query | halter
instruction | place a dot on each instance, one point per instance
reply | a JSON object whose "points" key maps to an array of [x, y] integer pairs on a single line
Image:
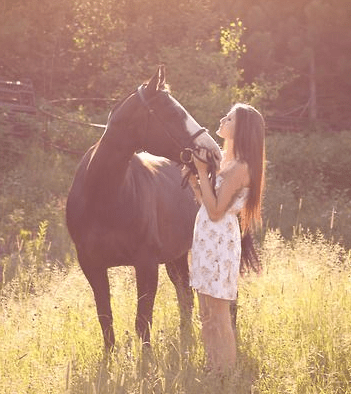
{"points": [[186, 153]]}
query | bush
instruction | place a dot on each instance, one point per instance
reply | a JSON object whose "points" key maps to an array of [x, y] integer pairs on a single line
{"points": [[16, 138], [309, 183], [36, 174]]}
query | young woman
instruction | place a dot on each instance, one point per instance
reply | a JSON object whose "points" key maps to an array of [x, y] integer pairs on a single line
{"points": [[216, 246]]}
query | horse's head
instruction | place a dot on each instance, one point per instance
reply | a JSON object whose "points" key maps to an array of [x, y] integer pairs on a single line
{"points": [[167, 128]]}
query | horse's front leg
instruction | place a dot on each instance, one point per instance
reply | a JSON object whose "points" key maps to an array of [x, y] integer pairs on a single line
{"points": [[99, 282], [147, 280]]}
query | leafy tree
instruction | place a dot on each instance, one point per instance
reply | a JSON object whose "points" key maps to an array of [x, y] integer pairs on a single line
{"points": [[296, 51], [311, 36], [34, 43]]}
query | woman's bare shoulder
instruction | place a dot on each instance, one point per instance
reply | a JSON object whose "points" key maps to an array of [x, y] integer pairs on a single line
{"points": [[237, 169]]}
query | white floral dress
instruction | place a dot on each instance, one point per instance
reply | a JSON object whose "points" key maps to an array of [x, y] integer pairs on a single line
{"points": [[216, 250]]}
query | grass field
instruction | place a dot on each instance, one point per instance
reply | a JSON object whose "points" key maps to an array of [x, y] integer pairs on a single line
{"points": [[294, 329]]}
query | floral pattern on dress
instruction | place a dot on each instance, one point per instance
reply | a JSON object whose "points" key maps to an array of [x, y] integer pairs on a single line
{"points": [[216, 251]]}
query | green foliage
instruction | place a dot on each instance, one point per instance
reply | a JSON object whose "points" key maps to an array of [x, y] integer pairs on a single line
{"points": [[200, 83], [36, 31], [35, 190], [100, 48], [203, 77], [230, 39], [28, 264], [285, 34], [308, 183], [305, 158], [70, 129], [266, 90], [16, 139]]}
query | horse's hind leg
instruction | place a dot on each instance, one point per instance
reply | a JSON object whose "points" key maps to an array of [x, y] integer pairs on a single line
{"points": [[147, 279], [99, 282], [178, 272]]}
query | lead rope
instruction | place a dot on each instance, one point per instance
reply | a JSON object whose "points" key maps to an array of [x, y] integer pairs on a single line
{"points": [[211, 165]]}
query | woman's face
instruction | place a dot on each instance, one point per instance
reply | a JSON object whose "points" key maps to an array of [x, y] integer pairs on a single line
{"points": [[227, 126]]}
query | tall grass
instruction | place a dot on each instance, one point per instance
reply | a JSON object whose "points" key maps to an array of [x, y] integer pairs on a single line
{"points": [[294, 333], [294, 329], [295, 319]]}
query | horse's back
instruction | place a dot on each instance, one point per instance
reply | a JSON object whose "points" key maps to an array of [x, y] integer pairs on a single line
{"points": [[151, 216]]}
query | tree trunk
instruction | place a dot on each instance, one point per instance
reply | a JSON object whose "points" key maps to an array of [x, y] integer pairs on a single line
{"points": [[312, 108]]}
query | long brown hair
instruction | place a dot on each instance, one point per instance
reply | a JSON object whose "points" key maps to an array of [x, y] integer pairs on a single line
{"points": [[249, 146]]}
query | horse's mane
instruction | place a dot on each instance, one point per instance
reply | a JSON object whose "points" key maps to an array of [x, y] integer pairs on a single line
{"points": [[152, 163], [143, 177]]}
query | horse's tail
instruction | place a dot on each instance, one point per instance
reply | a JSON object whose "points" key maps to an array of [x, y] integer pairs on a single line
{"points": [[249, 257]]}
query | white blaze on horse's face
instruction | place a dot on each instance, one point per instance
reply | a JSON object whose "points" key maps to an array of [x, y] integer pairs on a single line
{"points": [[204, 140]]}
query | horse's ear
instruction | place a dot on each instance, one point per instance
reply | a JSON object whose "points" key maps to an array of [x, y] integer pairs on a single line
{"points": [[157, 81], [162, 79]]}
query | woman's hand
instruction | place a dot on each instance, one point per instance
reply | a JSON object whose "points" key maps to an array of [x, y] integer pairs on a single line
{"points": [[193, 182], [192, 179], [200, 161]]}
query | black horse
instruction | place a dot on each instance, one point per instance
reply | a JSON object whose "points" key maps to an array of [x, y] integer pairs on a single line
{"points": [[128, 208]]}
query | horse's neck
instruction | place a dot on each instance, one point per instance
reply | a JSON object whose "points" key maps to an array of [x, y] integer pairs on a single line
{"points": [[107, 169]]}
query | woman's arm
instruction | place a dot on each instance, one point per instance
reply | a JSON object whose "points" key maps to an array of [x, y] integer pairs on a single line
{"points": [[233, 180]]}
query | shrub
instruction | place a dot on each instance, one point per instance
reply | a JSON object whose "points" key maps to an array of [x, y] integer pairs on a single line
{"points": [[309, 183]]}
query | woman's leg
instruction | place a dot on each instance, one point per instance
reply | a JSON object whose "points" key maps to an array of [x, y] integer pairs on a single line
{"points": [[217, 332]]}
